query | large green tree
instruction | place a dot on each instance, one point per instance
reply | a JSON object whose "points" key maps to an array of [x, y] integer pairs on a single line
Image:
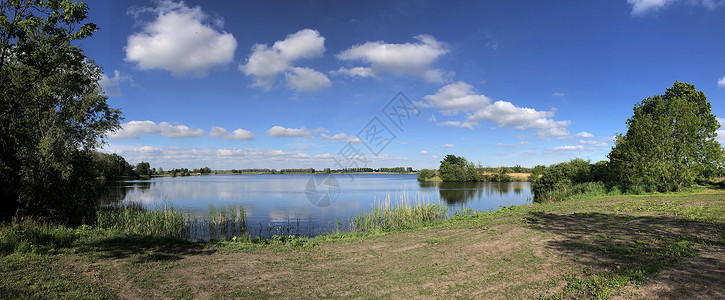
{"points": [[670, 140], [52, 111]]}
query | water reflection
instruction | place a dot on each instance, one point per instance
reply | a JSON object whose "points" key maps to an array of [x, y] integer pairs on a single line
{"points": [[454, 193], [274, 201]]}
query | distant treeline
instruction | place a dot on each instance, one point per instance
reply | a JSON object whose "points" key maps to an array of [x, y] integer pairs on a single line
{"points": [[459, 169]]}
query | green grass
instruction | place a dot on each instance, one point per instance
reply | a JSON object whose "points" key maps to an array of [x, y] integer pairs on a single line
{"points": [[604, 243]]}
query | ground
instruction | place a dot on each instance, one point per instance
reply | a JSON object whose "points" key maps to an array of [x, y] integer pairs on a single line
{"points": [[621, 247]]}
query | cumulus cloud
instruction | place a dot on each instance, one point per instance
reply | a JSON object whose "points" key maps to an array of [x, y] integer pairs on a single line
{"points": [[454, 98], [570, 148], [306, 80], [279, 131], [180, 39], [507, 115], [594, 143], [410, 58], [460, 97], [341, 137], [584, 134], [721, 81], [642, 7], [423, 152], [447, 146], [265, 63], [466, 124], [237, 134], [111, 85], [228, 158], [506, 145], [354, 72], [132, 130]]}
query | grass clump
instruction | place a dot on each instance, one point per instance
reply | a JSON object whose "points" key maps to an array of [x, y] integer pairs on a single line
{"points": [[165, 220], [386, 217]]}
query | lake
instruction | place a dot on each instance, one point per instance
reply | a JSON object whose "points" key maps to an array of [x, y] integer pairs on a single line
{"points": [[309, 204]]}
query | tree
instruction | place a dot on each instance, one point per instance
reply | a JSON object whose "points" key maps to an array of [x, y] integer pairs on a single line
{"points": [[670, 140], [143, 169], [455, 160], [53, 112]]}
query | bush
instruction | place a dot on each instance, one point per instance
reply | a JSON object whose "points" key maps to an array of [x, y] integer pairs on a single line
{"points": [[426, 174]]}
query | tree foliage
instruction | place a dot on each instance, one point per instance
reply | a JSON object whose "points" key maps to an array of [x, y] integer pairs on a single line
{"points": [[670, 140], [52, 111]]}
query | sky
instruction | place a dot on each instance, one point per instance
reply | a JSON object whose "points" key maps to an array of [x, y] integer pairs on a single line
{"points": [[334, 84]]}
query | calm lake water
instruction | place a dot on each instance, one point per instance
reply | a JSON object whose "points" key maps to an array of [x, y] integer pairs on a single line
{"points": [[311, 203]]}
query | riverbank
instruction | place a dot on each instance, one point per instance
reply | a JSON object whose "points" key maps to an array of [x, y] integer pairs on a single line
{"points": [[662, 245]]}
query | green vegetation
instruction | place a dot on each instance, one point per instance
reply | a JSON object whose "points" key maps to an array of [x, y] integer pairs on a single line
{"points": [[54, 112], [670, 140], [584, 247], [133, 217], [426, 174], [386, 218], [458, 169], [669, 145]]}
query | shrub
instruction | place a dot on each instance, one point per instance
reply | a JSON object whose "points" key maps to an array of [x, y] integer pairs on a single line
{"points": [[426, 174]]}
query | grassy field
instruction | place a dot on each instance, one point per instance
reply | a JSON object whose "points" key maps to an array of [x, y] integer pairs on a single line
{"points": [[652, 246]]}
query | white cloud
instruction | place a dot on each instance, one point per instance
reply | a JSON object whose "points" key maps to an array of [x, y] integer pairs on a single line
{"points": [[641, 7], [468, 125], [265, 63], [181, 40], [594, 143], [507, 115], [341, 137], [237, 134], [721, 81], [584, 134], [454, 98], [279, 131], [321, 129], [721, 132], [569, 148], [505, 145], [169, 157], [461, 97], [132, 130], [711, 4], [423, 152], [111, 85], [432, 118], [306, 80], [410, 58], [447, 146], [355, 72], [557, 94]]}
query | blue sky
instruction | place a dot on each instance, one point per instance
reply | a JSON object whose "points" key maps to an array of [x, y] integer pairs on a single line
{"points": [[298, 84]]}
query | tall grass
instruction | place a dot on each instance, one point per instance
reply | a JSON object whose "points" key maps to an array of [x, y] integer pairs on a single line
{"points": [[165, 220], [404, 214]]}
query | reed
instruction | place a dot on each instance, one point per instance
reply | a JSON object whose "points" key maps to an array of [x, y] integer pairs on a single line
{"points": [[405, 214], [134, 217]]}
